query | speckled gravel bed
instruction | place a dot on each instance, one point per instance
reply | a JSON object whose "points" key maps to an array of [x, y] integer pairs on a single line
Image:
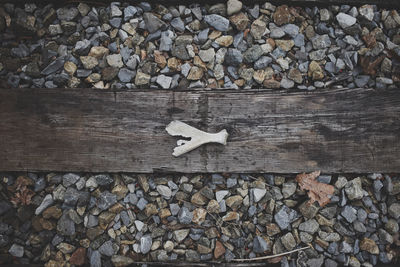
{"points": [[116, 219], [226, 45]]}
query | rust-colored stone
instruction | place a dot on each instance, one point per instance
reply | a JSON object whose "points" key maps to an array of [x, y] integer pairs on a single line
{"points": [[219, 249], [78, 257], [282, 15]]}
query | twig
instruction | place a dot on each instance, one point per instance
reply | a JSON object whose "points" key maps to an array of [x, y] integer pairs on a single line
{"points": [[271, 256]]}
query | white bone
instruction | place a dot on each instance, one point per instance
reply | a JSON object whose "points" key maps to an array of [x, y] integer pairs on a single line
{"points": [[197, 137]]}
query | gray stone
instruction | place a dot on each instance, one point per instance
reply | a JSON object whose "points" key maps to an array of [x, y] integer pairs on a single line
{"points": [[115, 22], [164, 191], [95, 259], [345, 247], [288, 241], [185, 216], [291, 29], [65, 225], [16, 250], [180, 235], [262, 63], [286, 83], [166, 41], [145, 244], [207, 55], [164, 81], [218, 22], [82, 47], [277, 33], [284, 217], [107, 249], [233, 57], [394, 210], [180, 52], [345, 20], [349, 213], [321, 41], [106, 200], [153, 23], [252, 54], [362, 80], [260, 245], [129, 12], [125, 75], [115, 11], [233, 6], [299, 40], [310, 226], [367, 12], [178, 24], [47, 202], [103, 179], [54, 66], [67, 14], [70, 179]]}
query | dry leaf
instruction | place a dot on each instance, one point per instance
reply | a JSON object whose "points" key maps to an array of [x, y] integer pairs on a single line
{"points": [[22, 194], [316, 191]]}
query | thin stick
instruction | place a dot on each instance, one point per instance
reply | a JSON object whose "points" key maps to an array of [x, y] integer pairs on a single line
{"points": [[271, 256]]}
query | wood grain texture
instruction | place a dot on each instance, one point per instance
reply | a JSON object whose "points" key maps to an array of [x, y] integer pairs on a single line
{"points": [[343, 130]]}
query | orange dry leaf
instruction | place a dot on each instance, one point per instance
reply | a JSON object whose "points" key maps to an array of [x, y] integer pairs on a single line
{"points": [[23, 195], [316, 191]]}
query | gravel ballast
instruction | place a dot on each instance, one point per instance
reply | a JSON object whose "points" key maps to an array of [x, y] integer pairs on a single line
{"points": [[225, 45], [116, 219]]}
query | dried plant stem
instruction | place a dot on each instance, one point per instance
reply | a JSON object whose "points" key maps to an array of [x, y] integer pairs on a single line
{"points": [[271, 256]]}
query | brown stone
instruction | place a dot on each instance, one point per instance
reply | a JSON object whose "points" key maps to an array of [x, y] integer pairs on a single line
{"points": [[198, 199], [282, 15], [151, 209], [120, 191], [231, 216], [47, 224], [234, 202], [369, 245], [160, 59], [213, 206], [370, 65], [109, 73], [272, 229], [195, 73], [240, 21], [285, 45], [98, 51], [271, 83], [105, 218], [52, 212], [78, 257], [369, 40], [295, 75], [219, 249], [203, 249], [199, 215], [164, 213], [92, 233], [225, 40], [116, 208], [315, 71]]}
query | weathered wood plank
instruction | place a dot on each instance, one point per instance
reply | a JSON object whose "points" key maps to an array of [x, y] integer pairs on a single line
{"points": [[343, 130]]}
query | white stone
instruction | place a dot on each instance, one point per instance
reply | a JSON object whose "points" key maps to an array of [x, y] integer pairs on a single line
{"points": [[258, 194], [197, 137], [219, 195], [47, 201], [345, 20], [164, 81], [165, 191]]}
